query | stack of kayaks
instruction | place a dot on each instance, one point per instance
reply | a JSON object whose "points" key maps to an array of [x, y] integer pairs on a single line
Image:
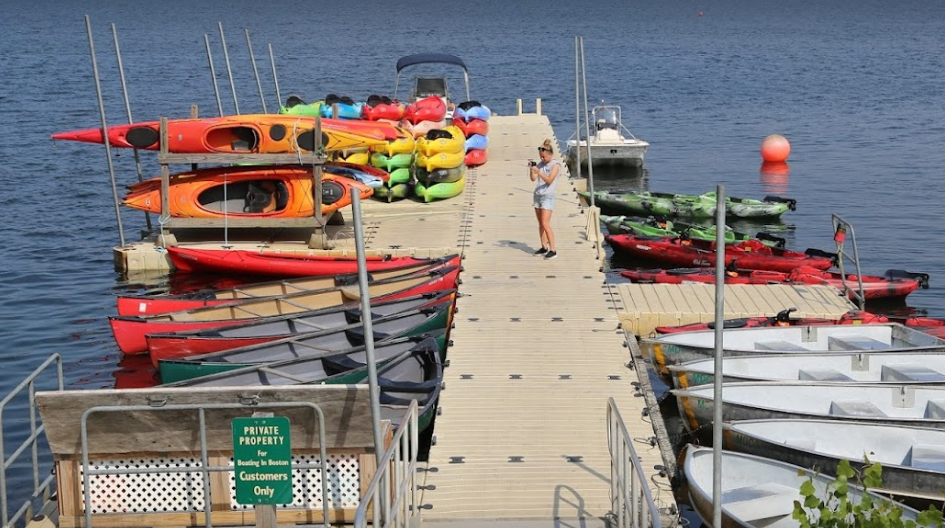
{"points": [[425, 115], [441, 170], [471, 117], [651, 226], [396, 157], [645, 203]]}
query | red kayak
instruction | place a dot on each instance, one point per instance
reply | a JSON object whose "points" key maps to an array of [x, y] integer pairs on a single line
{"points": [[929, 325], [894, 284], [750, 254], [476, 126], [430, 108], [476, 157], [130, 332], [243, 262], [255, 133], [141, 305]]}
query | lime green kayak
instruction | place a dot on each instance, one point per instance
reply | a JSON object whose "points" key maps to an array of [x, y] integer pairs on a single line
{"points": [[440, 191], [645, 203], [389, 163], [303, 109], [398, 176], [665, 228], [397, 191]]}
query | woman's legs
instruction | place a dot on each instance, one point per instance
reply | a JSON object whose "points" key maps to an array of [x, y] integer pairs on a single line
{"points": [[541, 230], [544, 228]]}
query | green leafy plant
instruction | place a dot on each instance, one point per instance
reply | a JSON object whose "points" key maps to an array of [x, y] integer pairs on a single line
{"points": [[837, 510]]}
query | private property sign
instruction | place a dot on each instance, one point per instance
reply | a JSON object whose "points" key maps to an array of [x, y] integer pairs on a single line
{"points": [[262, 459]]}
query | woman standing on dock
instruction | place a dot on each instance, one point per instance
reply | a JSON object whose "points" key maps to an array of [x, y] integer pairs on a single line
{"points": [[546, 173]]}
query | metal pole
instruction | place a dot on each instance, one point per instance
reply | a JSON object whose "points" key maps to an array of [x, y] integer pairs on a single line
{"points": [[252, 57], [577, 109], [717, 393], [587, 127], [229, 71], [213, 74], [275, 78], [108, 150], [124, 91]]}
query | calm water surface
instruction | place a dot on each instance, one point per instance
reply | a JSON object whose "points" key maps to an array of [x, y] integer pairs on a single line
{"points": [[856, 86]]}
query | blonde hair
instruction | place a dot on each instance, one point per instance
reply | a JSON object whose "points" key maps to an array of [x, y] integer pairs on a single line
{"points": [[548, 145]]}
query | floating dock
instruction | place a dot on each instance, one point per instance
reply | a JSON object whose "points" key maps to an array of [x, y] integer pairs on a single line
{"points": [[540, 346]]}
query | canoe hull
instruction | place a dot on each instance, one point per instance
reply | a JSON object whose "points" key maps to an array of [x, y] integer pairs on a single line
{"points": [[242, 262]]}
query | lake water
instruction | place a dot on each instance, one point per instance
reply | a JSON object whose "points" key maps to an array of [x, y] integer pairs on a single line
{"points": [[856, 86]]}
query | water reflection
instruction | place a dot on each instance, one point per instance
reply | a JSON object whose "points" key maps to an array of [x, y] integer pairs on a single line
{"points": [[774, 177], [619, 178]]}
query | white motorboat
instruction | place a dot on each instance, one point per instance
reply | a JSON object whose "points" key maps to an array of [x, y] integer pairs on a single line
{"points": [[612, 143]]}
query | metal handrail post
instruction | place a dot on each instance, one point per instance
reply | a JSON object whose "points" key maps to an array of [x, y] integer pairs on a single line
{"points": [[717, 385], [587, 128], [840, 239], [229, 71], [252, 58], [213, 74], [108, 150], [275, 78], [577, 110], [124, 91], [631, 499]]}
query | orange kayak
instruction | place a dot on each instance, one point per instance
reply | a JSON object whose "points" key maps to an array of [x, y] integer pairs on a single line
{"points": [[274, 191], [247, 134]]}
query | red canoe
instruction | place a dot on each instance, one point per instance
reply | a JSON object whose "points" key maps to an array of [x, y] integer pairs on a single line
{"points": [[929, 325], [130, 332], [254, 133], [751, 254], [142, 305], [282, 264], [894, 284]]}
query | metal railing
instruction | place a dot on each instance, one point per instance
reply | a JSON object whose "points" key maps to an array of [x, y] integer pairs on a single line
{"points": [[396, 478], [205, 468], [631, 502], [842, 229], [42, 490]]}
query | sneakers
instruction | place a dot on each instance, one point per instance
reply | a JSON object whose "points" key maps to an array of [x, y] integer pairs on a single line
{"points": [[550, 255], [542, 251]]}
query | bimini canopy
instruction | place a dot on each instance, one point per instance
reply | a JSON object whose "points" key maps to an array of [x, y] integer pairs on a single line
{"points": [[426, 58]]}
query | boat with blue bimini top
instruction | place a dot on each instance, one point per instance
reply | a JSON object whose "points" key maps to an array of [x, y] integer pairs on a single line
{"points": [[612, 143]]}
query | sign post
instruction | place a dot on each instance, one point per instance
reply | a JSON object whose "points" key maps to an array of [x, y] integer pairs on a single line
{"points": [[262, 460]]}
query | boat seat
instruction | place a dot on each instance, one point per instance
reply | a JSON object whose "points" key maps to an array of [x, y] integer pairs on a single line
{"points": [[761, 501], [854, 342], [822, 374], [927, 456], [935, 410], [906, 372], [855, 408], [775, 345]]}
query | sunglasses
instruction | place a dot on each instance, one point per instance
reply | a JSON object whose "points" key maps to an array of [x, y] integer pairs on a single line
{"points": [[543, 149]]}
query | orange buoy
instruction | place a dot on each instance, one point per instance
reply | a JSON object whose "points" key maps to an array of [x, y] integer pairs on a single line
{"points": [[775, 148]]}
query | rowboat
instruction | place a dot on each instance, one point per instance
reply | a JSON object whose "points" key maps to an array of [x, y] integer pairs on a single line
{"points": [[273, 191], [333, 330], [843, 367], [913, 458], [651, 226], [130, 332], [142, 305], [751, 254], [891, 404], [673, 349], [242, 262], [440, 191], [413, 375], [892, 285], [646, 203], [250, 133], [295, 351], [759, 492]]}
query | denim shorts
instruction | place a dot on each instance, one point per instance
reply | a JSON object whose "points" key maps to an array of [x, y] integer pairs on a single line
{"points": [[544, 202]]}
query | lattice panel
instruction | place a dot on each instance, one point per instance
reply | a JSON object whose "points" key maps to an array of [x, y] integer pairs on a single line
{"points": [[153, 492], [344, 486]]}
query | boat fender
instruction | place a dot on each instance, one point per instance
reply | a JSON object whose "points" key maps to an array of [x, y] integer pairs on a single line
{"points": [[791, 202]]}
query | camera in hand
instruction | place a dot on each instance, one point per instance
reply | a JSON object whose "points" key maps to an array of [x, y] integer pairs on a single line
{"points": [[532, 163]]}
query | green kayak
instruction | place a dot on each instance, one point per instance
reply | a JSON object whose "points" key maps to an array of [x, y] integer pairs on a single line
{"points": [[440, 191], [397, 191], [647, 203], [297, 107], [390, 163], [638, 226]]}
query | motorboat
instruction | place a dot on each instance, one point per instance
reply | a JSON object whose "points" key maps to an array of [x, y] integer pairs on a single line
{"points": [[431, 85], [612, 143]]}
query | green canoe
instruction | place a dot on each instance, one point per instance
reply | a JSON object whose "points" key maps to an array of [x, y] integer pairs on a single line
{"points": [[440, 191], [634, 225], [645, 203]]}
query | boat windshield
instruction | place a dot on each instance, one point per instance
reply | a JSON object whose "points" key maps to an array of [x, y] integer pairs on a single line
{"points": [[607, 117]]}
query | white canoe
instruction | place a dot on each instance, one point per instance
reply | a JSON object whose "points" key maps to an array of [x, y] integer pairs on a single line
{"points": [[673, 349], [756, 491], [913, 458], [850, 367]]}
